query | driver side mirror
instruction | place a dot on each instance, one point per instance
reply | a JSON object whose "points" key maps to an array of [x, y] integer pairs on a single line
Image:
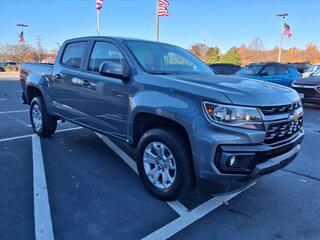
{"points": [[264, 74], [115, 70]]}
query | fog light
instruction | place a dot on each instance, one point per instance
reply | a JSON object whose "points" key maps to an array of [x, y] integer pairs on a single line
{"points": [[232, 161]]}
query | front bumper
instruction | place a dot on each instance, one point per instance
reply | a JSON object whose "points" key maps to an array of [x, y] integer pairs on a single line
{"points": [[263, 159], [310, 94]]}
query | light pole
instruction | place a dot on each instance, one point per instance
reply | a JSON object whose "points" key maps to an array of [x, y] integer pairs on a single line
{"points": [[22, 26], [283, 16]]}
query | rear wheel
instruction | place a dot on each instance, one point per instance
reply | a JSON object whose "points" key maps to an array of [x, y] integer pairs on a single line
{"points": [[164, 163], [43, 124]]}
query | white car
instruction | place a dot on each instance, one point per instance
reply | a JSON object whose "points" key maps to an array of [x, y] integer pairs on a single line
{"points": [[314, 68]]}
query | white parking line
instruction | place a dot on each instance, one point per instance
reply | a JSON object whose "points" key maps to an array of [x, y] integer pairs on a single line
{"points": [[178, 207], [185, 220], [15, 138], [30, 135], [17, 111], [175, 205], [42, 214], [125, 157], [186, 217]]}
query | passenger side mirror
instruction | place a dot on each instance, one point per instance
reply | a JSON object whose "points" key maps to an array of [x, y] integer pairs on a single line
{"points": [[114, 69]]}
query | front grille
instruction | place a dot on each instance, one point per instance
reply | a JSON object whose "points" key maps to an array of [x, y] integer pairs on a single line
{"points": [[280, 109], [277, 132]]}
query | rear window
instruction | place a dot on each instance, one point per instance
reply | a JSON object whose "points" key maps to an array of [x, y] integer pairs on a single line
{"points": [[73, 53], [270, 70], [251, 69], [281, 70]]}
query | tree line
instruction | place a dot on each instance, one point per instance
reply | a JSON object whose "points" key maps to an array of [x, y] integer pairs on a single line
{"points": [[255, 52], [26, 53], [243, 55]]}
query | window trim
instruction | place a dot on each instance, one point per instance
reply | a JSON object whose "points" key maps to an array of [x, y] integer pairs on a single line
{"points": [[93, 44], [82, 57]]}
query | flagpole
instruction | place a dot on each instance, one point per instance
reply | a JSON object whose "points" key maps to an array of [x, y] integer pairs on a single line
{"points": [[98, 22], [157, 22], [283, 16]]}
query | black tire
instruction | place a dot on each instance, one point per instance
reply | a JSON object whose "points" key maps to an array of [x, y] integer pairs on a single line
{"points": [[178, 147], [49, 122]]}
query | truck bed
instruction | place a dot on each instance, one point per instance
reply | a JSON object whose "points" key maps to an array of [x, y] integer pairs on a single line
{"points": [[34, 72]]}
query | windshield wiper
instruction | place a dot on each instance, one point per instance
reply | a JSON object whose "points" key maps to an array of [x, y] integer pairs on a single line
{"points": [[163, 73], [172, 73]]}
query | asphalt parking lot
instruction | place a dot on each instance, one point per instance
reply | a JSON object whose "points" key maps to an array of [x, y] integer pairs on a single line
{"points": [[78, 185]]}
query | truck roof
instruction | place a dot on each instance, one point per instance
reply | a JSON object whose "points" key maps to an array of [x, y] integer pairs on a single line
{"points": [[108, 37]]}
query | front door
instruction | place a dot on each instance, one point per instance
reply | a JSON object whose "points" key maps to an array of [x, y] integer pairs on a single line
{"points": [[104, 101]]}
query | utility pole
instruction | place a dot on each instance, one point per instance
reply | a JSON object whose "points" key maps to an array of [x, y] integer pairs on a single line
{"points": [[39, 41], [283, 16]]}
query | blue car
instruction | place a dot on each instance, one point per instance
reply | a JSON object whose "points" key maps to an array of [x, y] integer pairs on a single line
{"points": [[283, 74]]}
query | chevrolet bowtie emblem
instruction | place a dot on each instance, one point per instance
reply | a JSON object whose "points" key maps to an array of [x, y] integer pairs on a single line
{"points": [[294, 117]]}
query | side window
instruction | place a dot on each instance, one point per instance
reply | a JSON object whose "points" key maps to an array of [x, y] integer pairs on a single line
{"points": [[270, 70], [104, 51], [73, 53], [282, 70]]}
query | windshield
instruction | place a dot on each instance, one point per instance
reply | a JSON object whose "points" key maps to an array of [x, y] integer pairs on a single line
{"points": [[316, 74], [161, 58], [251, 69], [312, 68]]}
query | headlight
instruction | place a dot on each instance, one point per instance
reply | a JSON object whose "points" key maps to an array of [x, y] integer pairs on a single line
{"points": [[235, 116]]}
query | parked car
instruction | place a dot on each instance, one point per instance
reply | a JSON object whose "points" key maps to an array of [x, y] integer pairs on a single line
{"points": [[8, 67], [301, 66], [273, 72], [308, 88], [314, 68], [191, 128], [225, 68]]}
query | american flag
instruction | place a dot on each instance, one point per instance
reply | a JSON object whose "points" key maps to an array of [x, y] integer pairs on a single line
{"points": [[287, 30], [99, 4], [163, 8], [21, 37]]}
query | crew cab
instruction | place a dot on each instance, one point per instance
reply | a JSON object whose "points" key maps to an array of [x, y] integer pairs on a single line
{"points": [[191, 128]]}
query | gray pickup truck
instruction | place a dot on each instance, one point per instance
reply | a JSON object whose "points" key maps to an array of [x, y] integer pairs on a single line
{"points": [[192, 129]]}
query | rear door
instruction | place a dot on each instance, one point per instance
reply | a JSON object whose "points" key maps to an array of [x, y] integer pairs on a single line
{"points": [[66, 78], [284, 75], [104, 101], [268, 74]]}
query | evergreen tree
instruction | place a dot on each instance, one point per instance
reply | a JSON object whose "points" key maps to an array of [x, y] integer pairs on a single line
{"points": [[232, 56]]}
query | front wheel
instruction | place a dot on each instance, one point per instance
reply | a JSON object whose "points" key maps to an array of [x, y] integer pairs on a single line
{"points": [[43, 124], [164, 163]]}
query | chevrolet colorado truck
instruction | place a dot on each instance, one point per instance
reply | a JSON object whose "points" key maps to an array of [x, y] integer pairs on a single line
{"points": [[191, 128]]}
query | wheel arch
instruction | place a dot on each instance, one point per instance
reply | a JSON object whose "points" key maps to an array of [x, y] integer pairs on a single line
{"points": [[143, 122]]}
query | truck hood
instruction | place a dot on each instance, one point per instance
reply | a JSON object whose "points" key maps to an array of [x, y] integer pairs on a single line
{"points": [[241, 91]]}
